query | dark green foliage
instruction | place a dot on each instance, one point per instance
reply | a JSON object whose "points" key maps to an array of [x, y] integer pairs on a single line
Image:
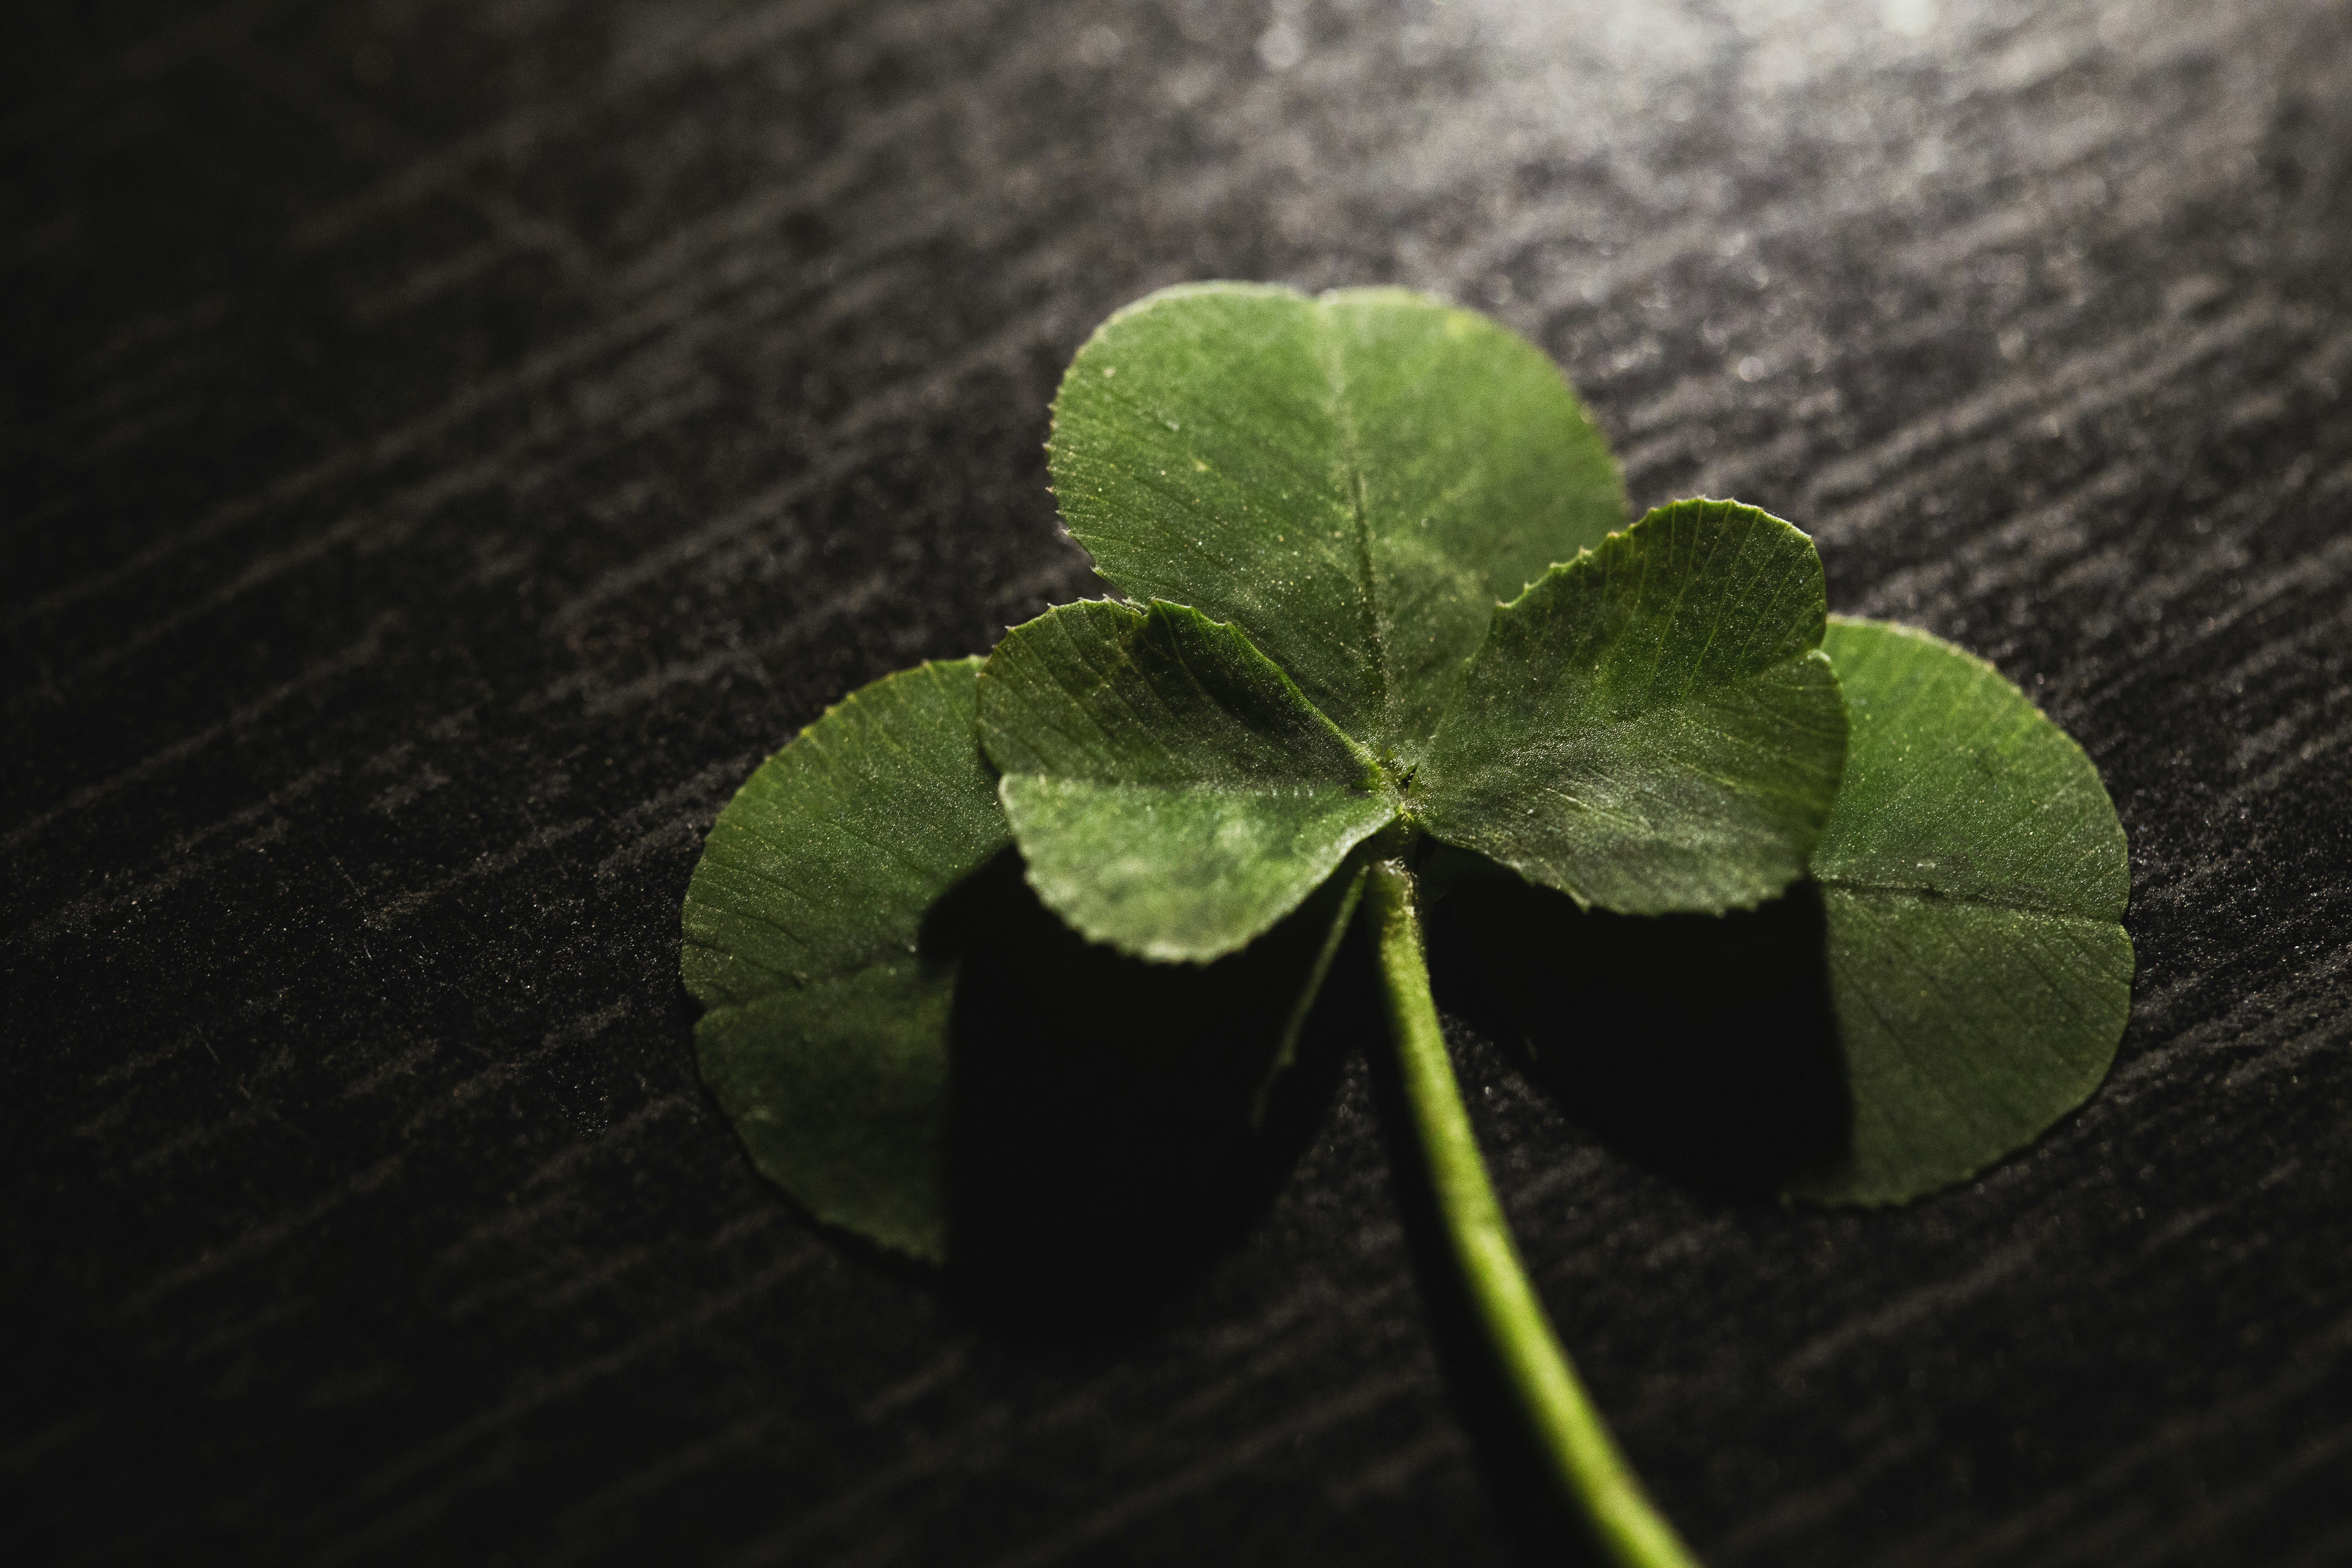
{"points": [[1974, 877], [1378, 602], [824, 1033]]}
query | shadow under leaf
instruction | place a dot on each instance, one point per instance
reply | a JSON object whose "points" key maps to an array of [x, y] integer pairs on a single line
{"points": [[1701, 1045], [1100, 1143], [1542, 1522]]}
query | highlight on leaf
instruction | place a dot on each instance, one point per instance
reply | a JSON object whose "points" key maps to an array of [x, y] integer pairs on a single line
{"points": [[1651, 728], [1172, 793]]}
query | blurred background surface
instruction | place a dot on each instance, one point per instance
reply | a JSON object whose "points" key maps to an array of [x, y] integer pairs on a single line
{"points": [[444, 446]]}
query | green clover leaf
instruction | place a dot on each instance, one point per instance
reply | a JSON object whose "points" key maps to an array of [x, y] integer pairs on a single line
{"points": [[1355, 481], [1652, 727], [1974, 877], [824, 1033], [1173, 794]]}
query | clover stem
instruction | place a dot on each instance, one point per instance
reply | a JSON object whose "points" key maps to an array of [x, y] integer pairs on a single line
{"points": [[1565, 1423]]}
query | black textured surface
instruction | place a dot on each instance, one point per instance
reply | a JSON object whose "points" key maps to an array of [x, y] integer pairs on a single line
{"points": [[446, 445]]}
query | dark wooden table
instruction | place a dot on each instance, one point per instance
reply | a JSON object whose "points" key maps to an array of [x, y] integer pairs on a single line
{"points": [[446, 445]]}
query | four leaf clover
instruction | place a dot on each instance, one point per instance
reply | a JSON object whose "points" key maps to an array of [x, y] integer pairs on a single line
{"points": [[1383, 619]]}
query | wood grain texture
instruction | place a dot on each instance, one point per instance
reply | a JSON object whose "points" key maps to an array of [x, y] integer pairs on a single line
{"points": [[445, 447]]}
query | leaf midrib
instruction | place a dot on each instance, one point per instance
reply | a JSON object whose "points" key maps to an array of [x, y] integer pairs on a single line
{"points": [[1335, 380]]}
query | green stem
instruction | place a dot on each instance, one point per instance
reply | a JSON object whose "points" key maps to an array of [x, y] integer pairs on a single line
{"points": [[1565, 1422]]}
